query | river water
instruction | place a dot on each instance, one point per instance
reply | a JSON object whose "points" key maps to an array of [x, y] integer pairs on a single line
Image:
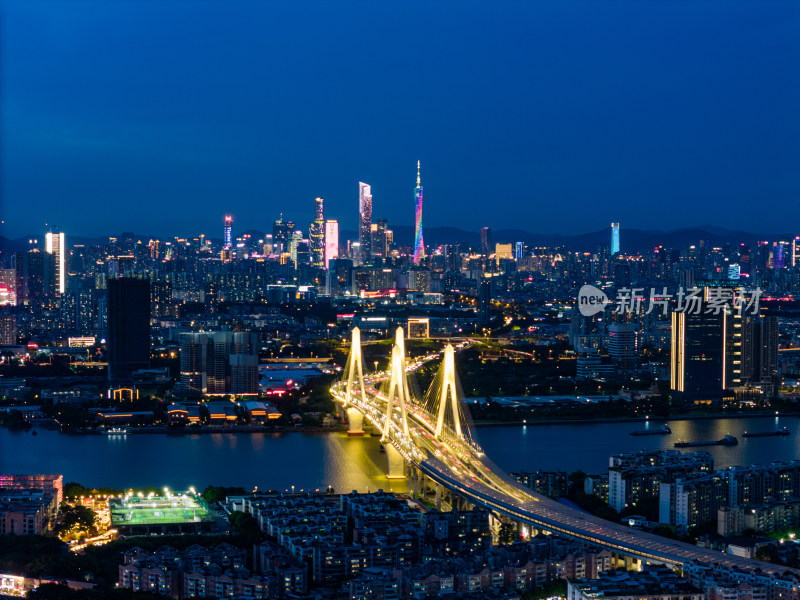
{"points": [[316, 460]]}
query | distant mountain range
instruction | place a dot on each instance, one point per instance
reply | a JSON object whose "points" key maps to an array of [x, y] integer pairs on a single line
{"points": [[631, 240]]}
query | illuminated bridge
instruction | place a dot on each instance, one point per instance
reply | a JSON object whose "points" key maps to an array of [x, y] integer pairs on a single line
{"points": [[429, 438]]}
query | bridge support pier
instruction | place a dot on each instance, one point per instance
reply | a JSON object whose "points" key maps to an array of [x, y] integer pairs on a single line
{"points": [[397, 463], [356, 422], [438, 489], [416, 476]]}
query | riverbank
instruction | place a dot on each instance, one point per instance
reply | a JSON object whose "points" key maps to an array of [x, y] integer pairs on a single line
{"points": [[738, 415], [210, 429]]}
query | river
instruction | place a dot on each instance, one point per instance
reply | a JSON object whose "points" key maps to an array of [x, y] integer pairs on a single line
{"points": [[316, 460]]}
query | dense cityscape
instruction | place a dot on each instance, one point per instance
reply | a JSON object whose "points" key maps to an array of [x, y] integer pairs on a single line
{"points": [[391, 301]]}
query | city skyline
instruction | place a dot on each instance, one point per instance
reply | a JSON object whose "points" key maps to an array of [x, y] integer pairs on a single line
{"points": [[670, 132]]}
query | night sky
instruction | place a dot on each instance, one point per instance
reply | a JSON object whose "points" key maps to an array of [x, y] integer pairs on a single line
{"points": [[158, 117]]}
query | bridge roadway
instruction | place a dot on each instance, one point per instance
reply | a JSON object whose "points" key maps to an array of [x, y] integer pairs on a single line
{"points": [[467, 472]]}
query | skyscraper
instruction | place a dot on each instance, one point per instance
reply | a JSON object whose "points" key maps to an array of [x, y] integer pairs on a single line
{"points": [[419, 244], [227, 231], [364, 221], [55, 244], [281, 232], [316, 236], [128, 327], [331, 241], [486, 241], [614, 239]]}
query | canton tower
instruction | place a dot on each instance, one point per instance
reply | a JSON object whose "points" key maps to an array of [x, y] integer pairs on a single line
{"points": [[419, 244]]}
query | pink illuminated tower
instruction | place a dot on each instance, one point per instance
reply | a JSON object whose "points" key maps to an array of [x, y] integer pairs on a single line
{"points": [[419, 244]]}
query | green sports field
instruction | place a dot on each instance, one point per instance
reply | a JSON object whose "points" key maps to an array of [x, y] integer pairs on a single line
{"points": [[160, 510]]}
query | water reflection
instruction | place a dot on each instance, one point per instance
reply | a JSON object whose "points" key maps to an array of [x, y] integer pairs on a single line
{"points": [[278, 461]]}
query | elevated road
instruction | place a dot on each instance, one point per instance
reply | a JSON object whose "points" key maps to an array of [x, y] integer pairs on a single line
{"points": [[451, 457]]}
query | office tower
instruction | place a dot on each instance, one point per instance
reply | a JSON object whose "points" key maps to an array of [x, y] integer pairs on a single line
{"points": [[614, 239], [623, 345], [698, 355], [316, 236], [486, 241], [331, 241], [419, 244], [388, 241], [281, 231], [778, 254], [128, 327], [295, 239], [55, 244], [707, 352], [227, 232], [364, 222], [519, 250], [734, 272], [379, 246], [796, 251]]}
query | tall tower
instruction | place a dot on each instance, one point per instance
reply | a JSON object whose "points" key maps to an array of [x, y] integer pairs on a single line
{"points": [[486, 241], [419, 244], [227, 234], [365, 221], [55, 244], [614, 239], [316, 236]]}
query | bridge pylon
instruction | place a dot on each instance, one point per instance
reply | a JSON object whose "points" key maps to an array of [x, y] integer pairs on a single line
{"points": [[399, 340], [448, 383], [355, 368], [397, 391], [355, 362]]}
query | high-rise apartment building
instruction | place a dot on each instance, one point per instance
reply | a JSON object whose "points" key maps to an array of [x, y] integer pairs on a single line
{"points": [[316, 236], [331, 241], [419, 243], [364, 221], [55, 244], [614, 239], [8, 287], [220, 362], [128, 327]]}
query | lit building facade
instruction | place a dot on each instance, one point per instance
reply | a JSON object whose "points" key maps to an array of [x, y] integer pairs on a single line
{"points": [[55, 244], [316, 236], [227, 232], [364, 221], [614, 239], [331, 241], [419, 243]]}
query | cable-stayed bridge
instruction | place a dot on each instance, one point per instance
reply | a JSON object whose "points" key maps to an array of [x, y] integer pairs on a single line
{"points": [[430, 438]]}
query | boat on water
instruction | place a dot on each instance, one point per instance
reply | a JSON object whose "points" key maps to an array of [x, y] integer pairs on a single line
{"points": [[663, 430], [116, 431], [778, 432], [728, 440]]}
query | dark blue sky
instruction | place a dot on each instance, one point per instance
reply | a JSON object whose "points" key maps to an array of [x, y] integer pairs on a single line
{"points": [[159, 116]]}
